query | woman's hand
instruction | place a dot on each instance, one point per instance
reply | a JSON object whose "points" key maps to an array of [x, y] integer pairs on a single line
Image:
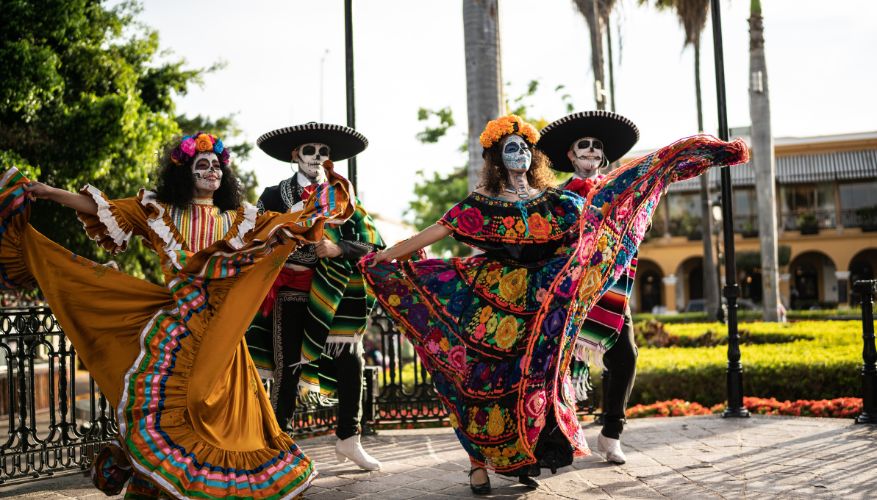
{"points": [[39, 191], [379, 256]]}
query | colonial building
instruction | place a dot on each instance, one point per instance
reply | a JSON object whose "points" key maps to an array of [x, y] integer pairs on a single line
{"points": [[827, 223]]}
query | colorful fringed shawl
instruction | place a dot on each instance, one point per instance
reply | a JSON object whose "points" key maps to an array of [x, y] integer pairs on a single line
{"points": [[497, 331], [602, 326], [339, 304]]}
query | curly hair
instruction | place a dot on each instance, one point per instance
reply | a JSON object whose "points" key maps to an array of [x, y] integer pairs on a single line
{"points": [[175, 185], [494, 177]]}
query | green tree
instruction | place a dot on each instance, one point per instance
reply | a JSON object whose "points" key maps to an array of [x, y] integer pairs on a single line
{"points": [[85, 98]]}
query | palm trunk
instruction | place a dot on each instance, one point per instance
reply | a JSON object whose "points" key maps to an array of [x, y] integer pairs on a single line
{"points": [[710, 271], [595, 27], [764, 163], [483, 75]]}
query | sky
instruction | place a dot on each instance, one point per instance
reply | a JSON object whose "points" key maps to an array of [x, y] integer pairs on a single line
{"points": [[284, 65]]}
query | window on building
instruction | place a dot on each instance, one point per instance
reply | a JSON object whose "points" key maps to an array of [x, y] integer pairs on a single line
{"points": [[684, 214], [745, 211], [858, 204], [808, 205]]}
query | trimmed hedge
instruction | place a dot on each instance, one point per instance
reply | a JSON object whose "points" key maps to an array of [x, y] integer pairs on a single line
{"points": [[822, 360], [747, 315]]}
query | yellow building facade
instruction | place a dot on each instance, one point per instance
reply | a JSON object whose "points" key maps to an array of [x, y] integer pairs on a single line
{"points": [[827, 227]]}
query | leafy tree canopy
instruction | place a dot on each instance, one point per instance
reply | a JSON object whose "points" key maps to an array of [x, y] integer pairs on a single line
{"points": [[85, 98]]}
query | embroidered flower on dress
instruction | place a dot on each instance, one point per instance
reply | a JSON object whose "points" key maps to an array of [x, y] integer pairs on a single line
{"points": [[513, 285], [486, 312], [535, 405], [470, 221], [479, 332], [539, 227], [506, 332], [491, 324], [457, 358], [495, 422]]}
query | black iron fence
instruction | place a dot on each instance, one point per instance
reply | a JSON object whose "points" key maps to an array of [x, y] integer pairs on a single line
{"points": [[53, 418]]}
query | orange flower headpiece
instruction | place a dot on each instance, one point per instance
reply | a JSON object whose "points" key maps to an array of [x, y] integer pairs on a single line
{"points": [[506, 125]]}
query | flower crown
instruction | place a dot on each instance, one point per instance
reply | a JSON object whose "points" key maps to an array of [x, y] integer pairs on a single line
{"points": [[506, 125], [201, 142]]}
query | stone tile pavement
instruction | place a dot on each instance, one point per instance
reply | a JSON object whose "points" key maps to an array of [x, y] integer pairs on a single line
{"points": [[689, 457]]}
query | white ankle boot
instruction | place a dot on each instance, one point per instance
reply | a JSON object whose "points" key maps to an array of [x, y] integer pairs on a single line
{"points": [[611, 449], [351, 449]]}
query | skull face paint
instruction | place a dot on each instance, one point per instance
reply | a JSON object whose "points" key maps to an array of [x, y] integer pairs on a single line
{"points": [[207, 173], [516, 155], [310, 158], [586, 155]]}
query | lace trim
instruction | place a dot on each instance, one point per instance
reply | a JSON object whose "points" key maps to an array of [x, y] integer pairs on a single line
{"points": [[245, 226], [105, 215], [159, 226]]}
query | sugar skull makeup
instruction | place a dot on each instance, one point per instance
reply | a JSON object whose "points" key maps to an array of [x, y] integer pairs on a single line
{"points": [[586, 155], [516, 154], [206, 171], [310, 158]]}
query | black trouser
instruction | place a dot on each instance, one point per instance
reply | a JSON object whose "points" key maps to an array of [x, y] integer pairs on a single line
{"points": [[347, 367], [618, 377]]}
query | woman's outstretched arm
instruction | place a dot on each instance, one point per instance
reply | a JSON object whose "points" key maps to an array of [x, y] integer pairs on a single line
{"points": [[422, 239], [76, 201]]}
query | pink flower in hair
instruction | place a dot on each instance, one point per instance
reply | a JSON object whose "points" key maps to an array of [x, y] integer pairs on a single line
{"points": [[188, 146]]}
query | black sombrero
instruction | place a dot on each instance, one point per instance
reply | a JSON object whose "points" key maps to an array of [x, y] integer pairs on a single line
{"points": [[618, 134], [343, 142]]}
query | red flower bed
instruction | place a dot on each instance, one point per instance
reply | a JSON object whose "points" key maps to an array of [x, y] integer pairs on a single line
{"points": [[670, 408], [832, 408]]}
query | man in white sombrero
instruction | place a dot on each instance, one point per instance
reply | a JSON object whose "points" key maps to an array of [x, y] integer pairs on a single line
{"points": [[583, 143], [308, 334]]}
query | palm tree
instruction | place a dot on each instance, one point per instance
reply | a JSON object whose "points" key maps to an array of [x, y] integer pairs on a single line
{"points": [[596, 14], [692, 16], [764, 162], [483, 75]]}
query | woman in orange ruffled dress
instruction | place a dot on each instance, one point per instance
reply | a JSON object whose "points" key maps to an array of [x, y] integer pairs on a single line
{"points": [[194, 419]]}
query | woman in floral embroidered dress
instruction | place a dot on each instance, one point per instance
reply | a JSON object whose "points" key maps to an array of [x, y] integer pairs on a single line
{"points": [[194, 419], [497, 330]]}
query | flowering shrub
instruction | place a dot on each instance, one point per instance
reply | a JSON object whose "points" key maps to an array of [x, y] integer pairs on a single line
{"points": [[831, 408], [670, 408]]}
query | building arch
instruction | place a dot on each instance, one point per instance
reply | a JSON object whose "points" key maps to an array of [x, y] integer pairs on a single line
{"points": [[863, 266], [690, 281], [813, 281], [648, 287]]}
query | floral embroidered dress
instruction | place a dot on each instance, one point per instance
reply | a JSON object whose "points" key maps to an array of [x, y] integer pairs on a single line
{"points": [[193, 416], [497, 330]]}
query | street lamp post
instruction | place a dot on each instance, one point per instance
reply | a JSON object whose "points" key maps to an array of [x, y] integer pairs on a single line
{"points": [[735, 406], [348, 60]]}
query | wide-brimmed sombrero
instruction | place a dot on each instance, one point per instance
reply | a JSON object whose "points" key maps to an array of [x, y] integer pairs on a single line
{"points": [[618, 134], [343, 142]]}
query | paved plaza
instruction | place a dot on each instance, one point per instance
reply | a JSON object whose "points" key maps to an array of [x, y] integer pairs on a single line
{"points": [[686, 457]]}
